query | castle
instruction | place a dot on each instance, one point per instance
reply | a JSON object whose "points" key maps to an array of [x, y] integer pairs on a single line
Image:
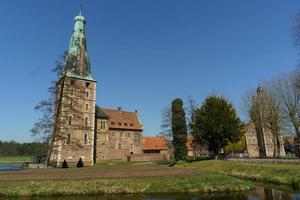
{"points": [[262, 143], [81, 128]]}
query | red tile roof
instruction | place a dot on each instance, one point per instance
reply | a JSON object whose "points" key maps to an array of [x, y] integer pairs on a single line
{"points": [[154, 143], [119, 119]]}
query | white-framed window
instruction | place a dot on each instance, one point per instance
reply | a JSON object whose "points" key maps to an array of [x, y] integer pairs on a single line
{"points": [[102, 125]]}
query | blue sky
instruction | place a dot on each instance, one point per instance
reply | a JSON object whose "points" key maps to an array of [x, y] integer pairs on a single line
{"points": [[144, 53]]}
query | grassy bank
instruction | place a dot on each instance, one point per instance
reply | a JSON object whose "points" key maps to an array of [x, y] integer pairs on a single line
{"points": [[288, 174], [201, 184], [14, 159]]}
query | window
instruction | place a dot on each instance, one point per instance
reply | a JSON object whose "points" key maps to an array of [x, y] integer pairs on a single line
{"points": [[68, 138], [70, 120], [87, 107], [87, 94], [112, 123], [87, 84], [120, 145], [125, 124], [128, 134], [136, 134], [113, 134], [86, 121], [85, 139], [119, 123], [102, 125], [72, 92], [72, 82], [131, 124], [131, 146], [121, 134]]}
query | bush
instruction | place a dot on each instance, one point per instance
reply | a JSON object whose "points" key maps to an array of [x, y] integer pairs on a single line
{"points": [[65, 164], [79, 163]]}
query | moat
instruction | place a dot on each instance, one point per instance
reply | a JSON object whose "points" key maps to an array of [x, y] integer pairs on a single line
{"points": [[257, 194]]}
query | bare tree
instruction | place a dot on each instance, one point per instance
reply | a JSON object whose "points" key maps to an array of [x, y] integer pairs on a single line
{"points": [[166, 124]]}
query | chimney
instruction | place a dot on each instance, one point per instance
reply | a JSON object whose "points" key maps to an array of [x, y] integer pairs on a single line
{"points": [[119, 108]]}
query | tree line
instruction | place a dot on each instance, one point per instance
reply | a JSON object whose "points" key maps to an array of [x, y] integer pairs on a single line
{"points": [[13, 148]]}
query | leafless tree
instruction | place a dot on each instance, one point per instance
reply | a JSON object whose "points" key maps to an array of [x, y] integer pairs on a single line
{"points": [[166, 124]]}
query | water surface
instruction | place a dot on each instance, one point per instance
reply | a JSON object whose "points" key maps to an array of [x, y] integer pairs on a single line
{"points": [[258, 194]]}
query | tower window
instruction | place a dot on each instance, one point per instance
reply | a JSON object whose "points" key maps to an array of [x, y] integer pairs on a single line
{"points": [[87, 107], [68, 138], [87, 94], [120, 145], [87, 84], [72, 82], [70, 120], [72, 92], [85, 139], [86, 121]]}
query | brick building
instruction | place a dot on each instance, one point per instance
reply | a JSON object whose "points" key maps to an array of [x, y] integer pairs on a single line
{"points": [[82, 129]]}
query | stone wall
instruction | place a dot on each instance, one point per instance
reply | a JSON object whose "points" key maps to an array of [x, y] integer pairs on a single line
{"points": [[148, 157], [74, 138], [117, 144]]}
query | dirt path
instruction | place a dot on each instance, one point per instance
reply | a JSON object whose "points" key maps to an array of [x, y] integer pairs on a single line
{"points": [[127, 171]]}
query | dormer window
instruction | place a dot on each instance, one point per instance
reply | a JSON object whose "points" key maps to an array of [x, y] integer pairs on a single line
{"points": [[125, 124], [119, 124], [112, 123], [131, 124]]}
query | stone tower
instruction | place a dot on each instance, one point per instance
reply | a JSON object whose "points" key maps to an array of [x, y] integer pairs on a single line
{"points": [[73, 132]]}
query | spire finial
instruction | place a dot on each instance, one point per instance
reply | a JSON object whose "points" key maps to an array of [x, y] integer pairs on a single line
{"points": [[80, 7]]}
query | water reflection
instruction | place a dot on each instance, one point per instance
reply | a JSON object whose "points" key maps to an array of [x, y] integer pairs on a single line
{"points": [[258, 194], [10, 167]]}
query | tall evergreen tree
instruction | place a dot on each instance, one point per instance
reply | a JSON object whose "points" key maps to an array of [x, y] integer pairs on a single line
{"points": [[179, 130], [217, 123]]}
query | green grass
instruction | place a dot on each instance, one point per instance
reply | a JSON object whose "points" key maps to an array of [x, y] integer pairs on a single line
{"points": [[288, 174], [212, 182], [14, 159]]}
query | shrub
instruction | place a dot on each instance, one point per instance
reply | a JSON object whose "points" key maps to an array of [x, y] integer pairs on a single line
{"points": [[65, 164], [79, 163]]}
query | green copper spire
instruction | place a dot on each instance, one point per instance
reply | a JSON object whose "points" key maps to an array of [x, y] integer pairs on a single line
{"points": [[77, 61]]}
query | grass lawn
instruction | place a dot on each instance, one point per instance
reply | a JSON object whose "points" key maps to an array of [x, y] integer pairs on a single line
{"points": [[212, 182], [288, 174], [14, 159]]}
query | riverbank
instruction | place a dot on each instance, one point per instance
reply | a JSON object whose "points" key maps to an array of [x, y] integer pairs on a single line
{"points": [[146, 178], [117, 178], [188, 184], [277, 173]]}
